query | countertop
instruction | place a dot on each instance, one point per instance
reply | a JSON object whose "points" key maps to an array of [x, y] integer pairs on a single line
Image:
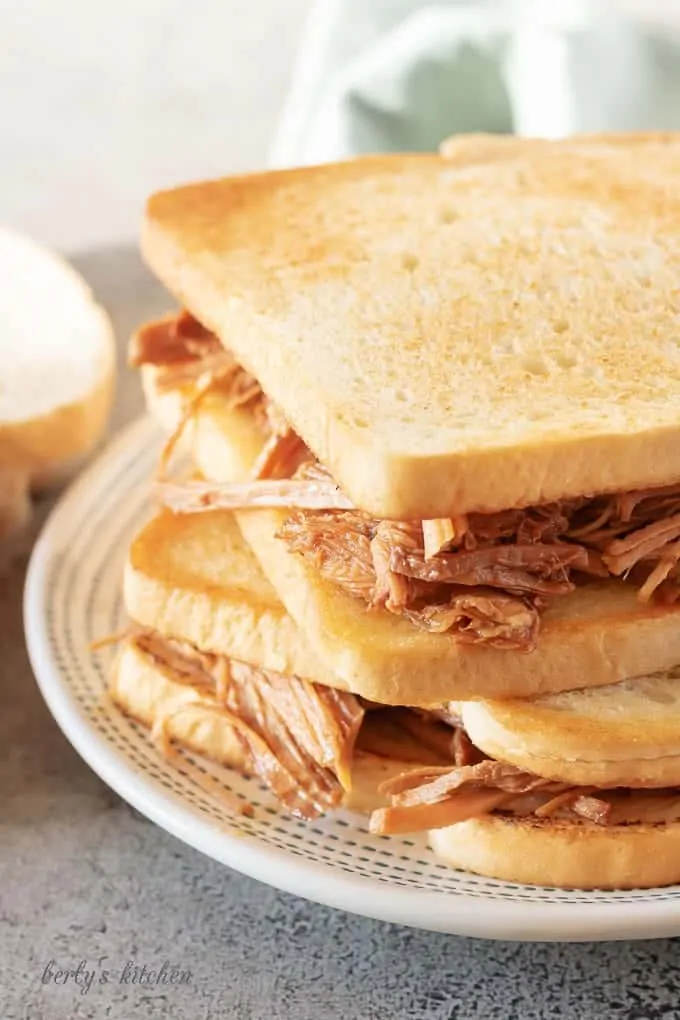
{"points": [[83, 877]]}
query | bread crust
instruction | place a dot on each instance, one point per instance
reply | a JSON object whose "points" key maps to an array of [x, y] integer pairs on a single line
{"points": [[563, 854], [49, 447], [421, 338]]}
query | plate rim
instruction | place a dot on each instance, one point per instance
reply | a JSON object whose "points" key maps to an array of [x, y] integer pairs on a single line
{"points": [[453, 913]]}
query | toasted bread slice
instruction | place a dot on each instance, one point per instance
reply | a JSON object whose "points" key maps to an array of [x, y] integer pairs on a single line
{"points": [[627, 734], [597, 635], [145, 690], [196, 579], [563, 854], [449, 338]]}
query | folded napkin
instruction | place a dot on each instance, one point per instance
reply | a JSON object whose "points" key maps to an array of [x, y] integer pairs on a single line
{"points": [[390, 75]]}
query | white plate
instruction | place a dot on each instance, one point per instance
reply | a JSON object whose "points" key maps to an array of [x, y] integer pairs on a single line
{"points": [[73, 597]]}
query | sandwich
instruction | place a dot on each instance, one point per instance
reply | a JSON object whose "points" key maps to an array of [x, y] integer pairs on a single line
{"points": [[433, 401], [441, 398], [579, 789]]}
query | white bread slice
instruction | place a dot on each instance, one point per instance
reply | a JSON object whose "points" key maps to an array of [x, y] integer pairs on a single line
{"points": [[563, 854], [597, 635], [447, 337], [627, 734], [143, 689], [58, 357], [196, 579]]}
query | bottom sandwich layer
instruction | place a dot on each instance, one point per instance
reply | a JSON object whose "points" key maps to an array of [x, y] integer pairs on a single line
{"points": [[318, 749], [563, 854]]}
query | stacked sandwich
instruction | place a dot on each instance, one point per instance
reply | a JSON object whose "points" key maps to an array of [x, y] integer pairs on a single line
{"points": [[430, 562]]}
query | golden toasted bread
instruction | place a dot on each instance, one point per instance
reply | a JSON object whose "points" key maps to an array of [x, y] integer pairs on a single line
{"points": [[563, 854], [626, 734], [445, 337]]}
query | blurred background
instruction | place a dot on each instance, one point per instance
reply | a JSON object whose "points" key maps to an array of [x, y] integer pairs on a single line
{"points": [[103, 102]]}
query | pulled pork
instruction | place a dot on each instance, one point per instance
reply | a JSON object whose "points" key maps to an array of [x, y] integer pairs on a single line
{"points": [[298, 737], [185, 353], [434, 797], [380, 561], [488, 582], [482, 577]]}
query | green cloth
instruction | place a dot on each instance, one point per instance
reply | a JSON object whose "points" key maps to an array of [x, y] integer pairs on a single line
{"points": [[390, 75]]}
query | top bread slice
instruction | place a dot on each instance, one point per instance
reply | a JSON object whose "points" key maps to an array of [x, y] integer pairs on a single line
{"points": [[597, 635], [626, 734], [451, 335]]}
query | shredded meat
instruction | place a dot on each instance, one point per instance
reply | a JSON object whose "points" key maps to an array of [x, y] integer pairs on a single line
{"points": [[432, 798], [522, 569], [298, 737], [482, 577], [184, 353], [280, 456], [199, 497], [637, 535], [339, 546], [172, 340], [464, 751], [404, 734], [356, 553], [623, 553], [510, 561], [394, 589], [482, 616]]}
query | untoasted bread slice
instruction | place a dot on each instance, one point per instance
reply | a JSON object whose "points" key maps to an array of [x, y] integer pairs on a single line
{"points": [[451, 338], [58, 355], [58, 371], [563, 854], [597, 635], [145, 690], [196, 579], [627, 734]]}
